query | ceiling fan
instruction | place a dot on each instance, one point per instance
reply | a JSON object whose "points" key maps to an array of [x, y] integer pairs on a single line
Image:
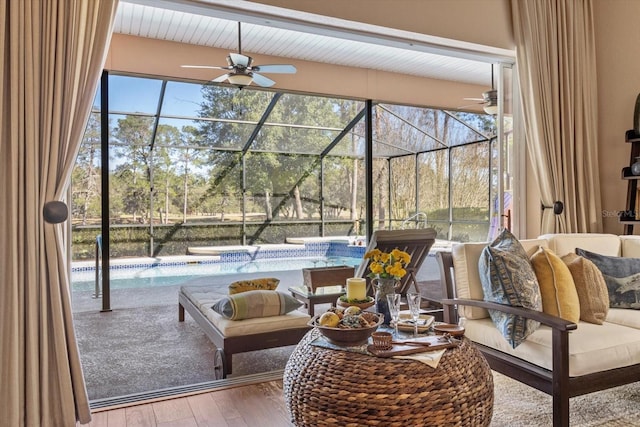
{"points": [[489, 100], [241, 71]]}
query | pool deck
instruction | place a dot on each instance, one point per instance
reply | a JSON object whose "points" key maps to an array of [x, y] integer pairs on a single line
{"points": [[163, 295]]}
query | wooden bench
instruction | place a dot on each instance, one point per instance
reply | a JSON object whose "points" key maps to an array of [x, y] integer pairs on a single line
{"points": [[238, 336]]}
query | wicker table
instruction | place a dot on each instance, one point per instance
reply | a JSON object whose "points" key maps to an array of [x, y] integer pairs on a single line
{"points": [[325, 387]]}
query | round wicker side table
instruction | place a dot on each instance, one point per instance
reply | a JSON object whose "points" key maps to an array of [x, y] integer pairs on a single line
{"points": [[325, 387]]}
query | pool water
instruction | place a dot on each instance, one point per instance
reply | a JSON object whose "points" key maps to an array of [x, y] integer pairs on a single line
{"points": [[153, 275]]}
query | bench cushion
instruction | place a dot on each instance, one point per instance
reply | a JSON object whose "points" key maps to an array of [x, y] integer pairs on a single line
{"points": [[204, 297]]}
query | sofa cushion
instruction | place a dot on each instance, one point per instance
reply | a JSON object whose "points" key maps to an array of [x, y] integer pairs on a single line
{"points": [[564, 243], [622, 276], [622, 316], [591, 288], [630, 246], [557, 288], [465, 258], [508, 278], [251, 304], [616, 345]]}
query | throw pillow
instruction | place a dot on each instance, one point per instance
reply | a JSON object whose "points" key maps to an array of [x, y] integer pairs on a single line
{"points": [[507, 277], [591, 288], [251, 304], [266, 284], [621, 275], [557, 288]]}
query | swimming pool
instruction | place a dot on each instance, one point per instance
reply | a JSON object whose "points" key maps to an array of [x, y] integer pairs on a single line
{"points": [[155, 274]]}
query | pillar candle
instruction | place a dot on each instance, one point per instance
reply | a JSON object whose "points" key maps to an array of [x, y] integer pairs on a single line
{"points": [[356, 288]]}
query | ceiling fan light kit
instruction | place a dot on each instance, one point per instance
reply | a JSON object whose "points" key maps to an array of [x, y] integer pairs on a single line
{"points": [[491, 102], [242, 73], [240, 80]]}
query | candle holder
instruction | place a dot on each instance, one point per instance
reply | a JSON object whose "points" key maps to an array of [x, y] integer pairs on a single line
{"points": [[344, 302]]}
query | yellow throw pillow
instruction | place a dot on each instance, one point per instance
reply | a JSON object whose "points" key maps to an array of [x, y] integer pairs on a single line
{"points": [[558, 290], [266, 284], [591, 287]]}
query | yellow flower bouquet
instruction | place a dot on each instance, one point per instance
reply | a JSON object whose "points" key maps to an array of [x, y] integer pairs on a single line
{"points": [[387, 265]]}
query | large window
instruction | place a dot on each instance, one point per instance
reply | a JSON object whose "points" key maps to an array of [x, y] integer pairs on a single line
{"points": [[194, 165]]}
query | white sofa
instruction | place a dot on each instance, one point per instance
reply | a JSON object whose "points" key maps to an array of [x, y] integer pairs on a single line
{"points": [[560, 358]]}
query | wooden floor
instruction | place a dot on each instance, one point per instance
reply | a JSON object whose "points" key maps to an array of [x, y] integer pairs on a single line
{"points": [[244, 406]]}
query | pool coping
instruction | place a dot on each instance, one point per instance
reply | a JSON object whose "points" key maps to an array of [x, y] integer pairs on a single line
{"points": [[313, 247]]}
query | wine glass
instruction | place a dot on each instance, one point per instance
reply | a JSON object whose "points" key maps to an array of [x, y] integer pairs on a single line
{"points": [[414, 299], [394, 309]]}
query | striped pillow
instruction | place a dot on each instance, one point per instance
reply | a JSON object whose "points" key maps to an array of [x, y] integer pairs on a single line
{"points": [[251, 304]]}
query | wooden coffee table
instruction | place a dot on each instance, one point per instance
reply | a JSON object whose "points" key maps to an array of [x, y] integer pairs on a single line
{"points": [[323, 295], [327, 387]]}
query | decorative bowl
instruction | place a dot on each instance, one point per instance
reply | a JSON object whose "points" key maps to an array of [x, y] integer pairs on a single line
{"points": [[347, 336]]}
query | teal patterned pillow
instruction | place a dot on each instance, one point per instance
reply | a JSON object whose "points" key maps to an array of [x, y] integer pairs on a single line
{"points": [[250, 304], [622, 276], [507, 277]]}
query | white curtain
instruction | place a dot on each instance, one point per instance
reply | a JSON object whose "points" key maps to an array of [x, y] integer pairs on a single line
{"points": [[555, 51], [52, 55]]}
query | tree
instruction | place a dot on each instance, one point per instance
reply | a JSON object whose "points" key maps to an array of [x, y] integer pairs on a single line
{"points": [[133, 138], [189, 158], [163, 167], [297, 125], [86, 174]]}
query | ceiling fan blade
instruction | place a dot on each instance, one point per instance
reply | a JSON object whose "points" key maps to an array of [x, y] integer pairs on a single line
{"points": [[276, 68], [239, 59], [263, 81], [474, 99], [221, 78], [211, 67]]}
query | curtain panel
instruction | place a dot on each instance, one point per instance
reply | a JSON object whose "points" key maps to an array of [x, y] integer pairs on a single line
{"points": [[52, 55], [555, 52]]}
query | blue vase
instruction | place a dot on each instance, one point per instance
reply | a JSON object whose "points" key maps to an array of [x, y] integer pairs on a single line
{"points": [[383, 288]]}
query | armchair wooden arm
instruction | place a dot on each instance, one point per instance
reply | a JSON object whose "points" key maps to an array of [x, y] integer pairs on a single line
{"points": [[544, 318]]}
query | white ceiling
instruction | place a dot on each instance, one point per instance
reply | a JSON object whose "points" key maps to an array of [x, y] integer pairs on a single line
{"points": [[178, 21]]}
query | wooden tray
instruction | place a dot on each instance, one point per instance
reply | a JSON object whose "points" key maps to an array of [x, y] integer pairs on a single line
{"points": [[405, 315], [448, 328], [435, 343]]}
